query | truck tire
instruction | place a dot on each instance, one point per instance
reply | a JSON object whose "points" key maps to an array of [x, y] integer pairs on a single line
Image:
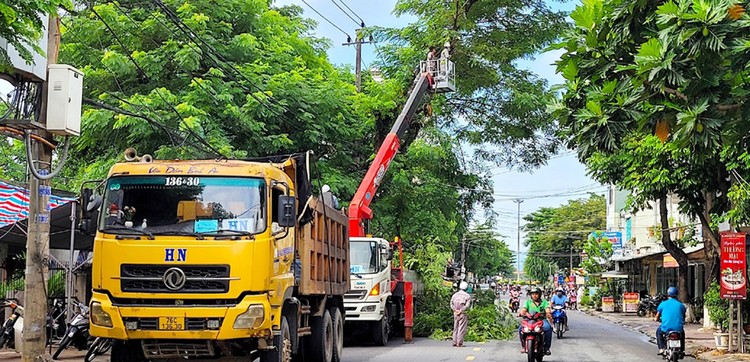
{"points": [[282, 344], [382, 329], [126, 351], [320, 347], [338, 333]]}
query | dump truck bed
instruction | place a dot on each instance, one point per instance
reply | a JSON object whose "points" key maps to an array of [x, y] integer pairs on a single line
{"points": [[323, 246]]}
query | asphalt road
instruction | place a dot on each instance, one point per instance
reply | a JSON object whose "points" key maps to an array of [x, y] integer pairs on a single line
{"points": [[589, 339]]}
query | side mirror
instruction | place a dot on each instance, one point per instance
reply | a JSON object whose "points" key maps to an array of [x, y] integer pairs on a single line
{"points": [[390, 255], [287, 212], [90, 203]]}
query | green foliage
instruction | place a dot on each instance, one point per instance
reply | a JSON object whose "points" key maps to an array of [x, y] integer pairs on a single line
{"points": [[56, 284], [14, 285], [486, 254], [599, 250], [561, 230], [717, 307], [22, 25]]}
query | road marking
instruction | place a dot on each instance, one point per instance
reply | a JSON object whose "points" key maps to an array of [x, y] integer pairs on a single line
{"points": [[477, 349], [469, 358]]}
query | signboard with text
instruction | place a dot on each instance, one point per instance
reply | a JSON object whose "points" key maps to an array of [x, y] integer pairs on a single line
{"points": [[668, 261], [733, 266], [608, 304], [615, 238], [630, 302]]}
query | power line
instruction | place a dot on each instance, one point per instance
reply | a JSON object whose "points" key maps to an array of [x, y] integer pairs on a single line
{"points": [[345, 13], [355, 14], [329, 22]]}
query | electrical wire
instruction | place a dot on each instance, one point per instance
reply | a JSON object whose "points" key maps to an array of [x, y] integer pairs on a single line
{"points": [[326, 19], [30, 159], [345, 13], [362, 24]]}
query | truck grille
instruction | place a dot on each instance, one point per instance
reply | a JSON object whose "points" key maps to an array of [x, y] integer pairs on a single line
{"points": [[198, 278], [356, 294], [177, 348]]}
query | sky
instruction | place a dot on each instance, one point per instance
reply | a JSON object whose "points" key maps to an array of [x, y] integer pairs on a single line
{"points": [[562, 175]]}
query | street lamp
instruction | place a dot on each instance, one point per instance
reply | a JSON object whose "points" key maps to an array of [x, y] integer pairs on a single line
{"points": [[518, 240]]}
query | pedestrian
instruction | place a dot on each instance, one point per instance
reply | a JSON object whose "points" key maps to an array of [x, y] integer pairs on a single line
{"points": [[460, 302], [328, 197]]}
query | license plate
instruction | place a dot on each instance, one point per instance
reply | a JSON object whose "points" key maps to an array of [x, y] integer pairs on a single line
{"points": [[673, 344], [172, 323]]}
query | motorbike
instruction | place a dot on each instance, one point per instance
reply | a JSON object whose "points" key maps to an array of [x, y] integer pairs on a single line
{"points": [[8, 332], [99, 347], [56, 327], [514, 303], [532, 335], [558, 317], [674, 351], [649, 305], [78, 331], [573, 302]]}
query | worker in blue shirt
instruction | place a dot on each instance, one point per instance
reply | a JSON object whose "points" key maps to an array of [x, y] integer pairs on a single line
{"points": [[672, 313]]}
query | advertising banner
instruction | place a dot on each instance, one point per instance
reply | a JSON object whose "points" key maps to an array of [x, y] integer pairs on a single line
{"points": [[615, 238], [630, 302], [608, 304], [733, 266]]}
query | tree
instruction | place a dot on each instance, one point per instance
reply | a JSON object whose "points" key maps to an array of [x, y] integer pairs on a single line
{"points": [[486, 254], [674, 69], [22, 25], [556, 235], [497, 103]]}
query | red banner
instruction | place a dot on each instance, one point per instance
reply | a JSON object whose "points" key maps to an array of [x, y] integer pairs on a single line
{"points": [[733, 266]]}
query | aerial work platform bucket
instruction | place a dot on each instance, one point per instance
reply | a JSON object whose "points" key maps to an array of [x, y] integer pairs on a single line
{"points": [[443, 73]]}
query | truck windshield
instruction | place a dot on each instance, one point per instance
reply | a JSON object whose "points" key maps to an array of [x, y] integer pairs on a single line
{"points": [[184, 205], [363, 257]]}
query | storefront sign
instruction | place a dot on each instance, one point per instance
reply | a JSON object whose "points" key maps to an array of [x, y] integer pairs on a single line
{"points": [[733, 266], [615, 238], [608, 304], [669, 261], [580, 280], [630, 302]]}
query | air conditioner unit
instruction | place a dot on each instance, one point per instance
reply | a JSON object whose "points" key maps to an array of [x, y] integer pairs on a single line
{"points": [[64, 98]]}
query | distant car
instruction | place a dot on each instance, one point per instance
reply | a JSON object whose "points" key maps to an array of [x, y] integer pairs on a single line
{"points": [[484, 287]]}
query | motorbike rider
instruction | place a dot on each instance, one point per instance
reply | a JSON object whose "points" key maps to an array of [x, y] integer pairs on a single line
{"points": [[672, 313], [515, 294], [538, 305], [561, 299]]}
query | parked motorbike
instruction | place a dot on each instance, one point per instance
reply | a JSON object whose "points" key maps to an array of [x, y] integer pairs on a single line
{"points": [[8, 336], [99, 347], [532, 334], [649, 305], [558, 317], [675, 350], [78, 331], [56, 327]]}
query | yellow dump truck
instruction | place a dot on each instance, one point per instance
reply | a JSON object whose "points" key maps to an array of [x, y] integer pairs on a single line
{"points": [[208, 259]]}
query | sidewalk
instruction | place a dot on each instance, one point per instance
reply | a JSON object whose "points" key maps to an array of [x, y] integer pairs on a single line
{"points": [[70, 354], [698, 342]]}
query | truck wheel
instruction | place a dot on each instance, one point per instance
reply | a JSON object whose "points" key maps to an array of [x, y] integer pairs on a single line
{"points": [[320, 346], [282, 344], [126, 351], [338, 334], [382, 329]]}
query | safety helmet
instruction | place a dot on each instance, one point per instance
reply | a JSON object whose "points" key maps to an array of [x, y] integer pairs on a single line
{"points": [[559, 290], [535, 290], [463, 285], [325, 188], [447, 44], [672, 292]]}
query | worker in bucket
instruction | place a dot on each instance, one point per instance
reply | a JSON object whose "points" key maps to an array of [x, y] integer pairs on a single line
{"points": [[460, 302]]}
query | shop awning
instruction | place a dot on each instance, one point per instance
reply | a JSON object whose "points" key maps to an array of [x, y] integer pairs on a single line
{"points": [[614, 275]]}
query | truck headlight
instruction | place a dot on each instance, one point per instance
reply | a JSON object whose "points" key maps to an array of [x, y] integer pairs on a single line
{"points": [[252, 318], [369, 308], [98, 316]]}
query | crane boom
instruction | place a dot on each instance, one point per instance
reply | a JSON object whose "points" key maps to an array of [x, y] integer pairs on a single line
{"points": [[359, 208]]}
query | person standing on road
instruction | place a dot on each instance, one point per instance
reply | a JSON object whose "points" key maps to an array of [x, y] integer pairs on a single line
{"points": [[538, 305], [672, 313], [460, 302]]}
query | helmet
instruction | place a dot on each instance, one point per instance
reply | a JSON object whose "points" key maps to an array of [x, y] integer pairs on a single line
{"points": [[325, 188], [672, 292], [559, 290], [536, 290], [463, 285], [447, 44]]}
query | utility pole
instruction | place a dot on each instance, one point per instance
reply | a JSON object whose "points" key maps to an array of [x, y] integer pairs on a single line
{"points": [[463, 259], [518, 240], [37, 243], [358, 65]]}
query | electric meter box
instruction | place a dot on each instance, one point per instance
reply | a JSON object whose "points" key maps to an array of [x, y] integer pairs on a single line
{"points": [[64, 98]]}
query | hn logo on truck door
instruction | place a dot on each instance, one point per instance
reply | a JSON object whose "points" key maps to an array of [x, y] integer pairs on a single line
{"points": [[169, 254]]}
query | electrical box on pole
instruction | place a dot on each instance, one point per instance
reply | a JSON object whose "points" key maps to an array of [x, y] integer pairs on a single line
{"points": [[65, 96]]}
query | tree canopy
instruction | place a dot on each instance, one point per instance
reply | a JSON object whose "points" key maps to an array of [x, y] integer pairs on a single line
{"points": [[22, 25], [557, 235]]}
